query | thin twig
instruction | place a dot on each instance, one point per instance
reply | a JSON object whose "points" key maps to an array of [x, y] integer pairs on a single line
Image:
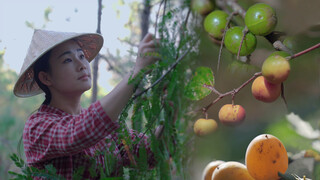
{"points": [[232, 92], [283, 97], [236, 7], [244, 33], [223, 35], [305, 51]]}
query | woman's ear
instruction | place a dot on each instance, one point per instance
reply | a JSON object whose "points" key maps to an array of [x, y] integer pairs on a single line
{"points": [[44, 78]]}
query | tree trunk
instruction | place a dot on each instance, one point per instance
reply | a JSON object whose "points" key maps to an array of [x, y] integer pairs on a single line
{"points": [[144, 25], [145, 14], [95, 65]]}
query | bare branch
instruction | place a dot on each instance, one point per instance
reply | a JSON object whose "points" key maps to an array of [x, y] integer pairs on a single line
{"points": [[305, 51], [232, 92]]}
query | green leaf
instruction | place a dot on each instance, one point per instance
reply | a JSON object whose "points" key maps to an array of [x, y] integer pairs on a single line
{"points": [[18, 176], [47, 11], [18, 161], [194, 89], [30, 25], [142, 160]]}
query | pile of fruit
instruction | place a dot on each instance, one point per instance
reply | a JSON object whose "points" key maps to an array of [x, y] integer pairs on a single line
{"points": [[265, 157]]}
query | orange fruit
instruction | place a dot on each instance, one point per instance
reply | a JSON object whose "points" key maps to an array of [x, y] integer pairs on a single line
{"points": [[265, 157]]}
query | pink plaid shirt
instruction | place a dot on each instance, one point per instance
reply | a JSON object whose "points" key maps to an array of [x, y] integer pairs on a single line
{"points": [[52, 136]]}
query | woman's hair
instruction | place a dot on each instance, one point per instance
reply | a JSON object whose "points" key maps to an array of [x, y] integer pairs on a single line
{"points": [[42, 64]]}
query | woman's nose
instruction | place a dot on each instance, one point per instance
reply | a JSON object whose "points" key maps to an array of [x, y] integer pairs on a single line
{"points": [[81, 64]]}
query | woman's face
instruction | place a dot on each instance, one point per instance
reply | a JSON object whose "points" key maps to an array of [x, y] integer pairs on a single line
{"points": [[69, 69]]}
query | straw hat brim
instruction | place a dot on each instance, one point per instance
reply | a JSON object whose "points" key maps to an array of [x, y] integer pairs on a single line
{"points": [[44, 41]]}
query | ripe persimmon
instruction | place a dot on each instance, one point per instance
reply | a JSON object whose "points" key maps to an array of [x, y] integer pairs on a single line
{"points": [[208, 170], [231, 114], [203, 127], [265, 157], [231, 170], [265, 91]]}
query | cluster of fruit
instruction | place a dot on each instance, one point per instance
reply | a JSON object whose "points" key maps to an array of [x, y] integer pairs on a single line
{"points": [[260, 19], [275, 70], [265, 88], [229, 114], [265, 158]]}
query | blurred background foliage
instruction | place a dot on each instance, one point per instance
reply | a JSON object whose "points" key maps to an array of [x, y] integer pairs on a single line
{"points": [[298, 18]]}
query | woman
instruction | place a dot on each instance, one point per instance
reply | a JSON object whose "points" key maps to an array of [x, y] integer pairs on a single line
{"points": [[62, 133]]}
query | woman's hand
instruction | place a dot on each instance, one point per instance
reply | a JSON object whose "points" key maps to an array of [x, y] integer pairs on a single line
{"points": [[115, 101], [147, 53]]}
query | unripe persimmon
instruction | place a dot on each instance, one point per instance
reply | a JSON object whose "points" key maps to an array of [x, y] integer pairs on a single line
{"points": [[230, 171], [276, 69], [202, 7], [208, 170], [231, 114], [265, 91], [233, 39], [204, 127], [261, 19], [215, 23], [265, 157]]}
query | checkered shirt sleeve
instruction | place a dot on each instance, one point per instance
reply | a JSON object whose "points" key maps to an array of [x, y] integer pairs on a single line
{"points": [[52, 133]]}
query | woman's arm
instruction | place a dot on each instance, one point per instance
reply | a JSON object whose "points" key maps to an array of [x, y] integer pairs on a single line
{"points": [[114, 102]]}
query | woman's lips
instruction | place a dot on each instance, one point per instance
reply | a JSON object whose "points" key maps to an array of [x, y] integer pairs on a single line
{"points": [[86, 76]]}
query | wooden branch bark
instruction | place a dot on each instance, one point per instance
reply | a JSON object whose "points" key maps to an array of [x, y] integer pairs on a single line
{"points": [[95, 65]]}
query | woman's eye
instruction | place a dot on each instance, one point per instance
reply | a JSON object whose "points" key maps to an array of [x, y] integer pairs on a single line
{"points": [[67, 60]]}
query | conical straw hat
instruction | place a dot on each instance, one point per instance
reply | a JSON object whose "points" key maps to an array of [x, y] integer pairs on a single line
{"points": [[42, 42]]}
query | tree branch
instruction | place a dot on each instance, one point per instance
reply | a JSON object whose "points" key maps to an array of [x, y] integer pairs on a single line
{"points": [[305, 51], [232, 92], [159, 80], [235, 91]]}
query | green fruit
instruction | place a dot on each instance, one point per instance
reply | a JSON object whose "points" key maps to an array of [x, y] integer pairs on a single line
{"points": [[280, 53], [233, 39], [215, 23], [276, 69], [202, 7], [261, 19]]}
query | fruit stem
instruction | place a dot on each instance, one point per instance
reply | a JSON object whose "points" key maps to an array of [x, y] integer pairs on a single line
{"points": [[223, 35], [244, 33], [305, 51]]}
